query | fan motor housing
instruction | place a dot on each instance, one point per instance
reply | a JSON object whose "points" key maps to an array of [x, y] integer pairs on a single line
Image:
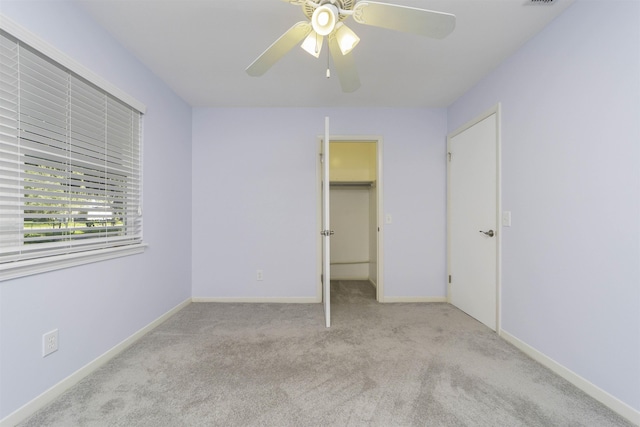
{"points": [[340, 4]]}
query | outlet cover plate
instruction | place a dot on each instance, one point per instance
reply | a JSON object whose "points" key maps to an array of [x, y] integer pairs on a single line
{"points": [[49, 343]]}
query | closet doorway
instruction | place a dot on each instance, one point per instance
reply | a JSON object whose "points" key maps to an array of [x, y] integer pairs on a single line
{"points": [[355, 192]]}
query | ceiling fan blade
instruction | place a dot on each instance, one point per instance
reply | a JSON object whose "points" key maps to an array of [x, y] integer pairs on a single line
{"points": [[345, 66], [403, 18], [296, 2], [279, 48]]}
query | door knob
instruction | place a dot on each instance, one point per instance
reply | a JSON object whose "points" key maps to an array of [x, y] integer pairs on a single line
{"points": [[488, 233]]}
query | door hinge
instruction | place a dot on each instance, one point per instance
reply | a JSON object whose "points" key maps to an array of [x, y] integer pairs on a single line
{"points": [[449, 278], [450, 156], [321, 157]]}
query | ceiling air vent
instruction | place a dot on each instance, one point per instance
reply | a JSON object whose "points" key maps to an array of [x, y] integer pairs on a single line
{"points": [[537, 2]]}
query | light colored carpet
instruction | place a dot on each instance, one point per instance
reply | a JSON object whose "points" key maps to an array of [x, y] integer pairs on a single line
{"points": [[276, 365]]}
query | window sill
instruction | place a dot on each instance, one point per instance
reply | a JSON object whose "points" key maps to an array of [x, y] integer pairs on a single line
{"points": [[29, 267]]}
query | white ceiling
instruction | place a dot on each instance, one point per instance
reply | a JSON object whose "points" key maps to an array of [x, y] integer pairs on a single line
{"points": [[201, 48]]}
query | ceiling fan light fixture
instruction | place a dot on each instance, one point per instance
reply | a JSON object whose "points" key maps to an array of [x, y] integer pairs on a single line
{"points": [[313, 44], [347, 39], [324, 19]]}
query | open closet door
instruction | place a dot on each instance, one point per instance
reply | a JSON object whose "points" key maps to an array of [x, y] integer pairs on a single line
{"points": [[326, 228]]}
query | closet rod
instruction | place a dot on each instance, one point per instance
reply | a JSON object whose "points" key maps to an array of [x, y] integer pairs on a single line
{"points": [[349, 262]]}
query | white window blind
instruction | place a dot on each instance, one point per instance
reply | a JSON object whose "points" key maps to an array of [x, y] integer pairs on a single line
{"points": [[70, 160]]}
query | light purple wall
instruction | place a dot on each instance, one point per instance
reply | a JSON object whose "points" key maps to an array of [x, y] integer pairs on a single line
{"points": [[255, 199], [571, 178], [96, 306]]}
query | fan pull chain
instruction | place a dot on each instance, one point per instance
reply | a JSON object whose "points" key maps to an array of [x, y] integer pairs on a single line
{"points": [[328, 70]]}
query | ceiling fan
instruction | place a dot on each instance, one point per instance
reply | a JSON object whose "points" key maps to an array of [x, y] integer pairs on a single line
{"points": [[325, 19]]}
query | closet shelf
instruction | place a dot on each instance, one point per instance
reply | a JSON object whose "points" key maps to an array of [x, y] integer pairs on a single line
{"points": [[352, 183]]}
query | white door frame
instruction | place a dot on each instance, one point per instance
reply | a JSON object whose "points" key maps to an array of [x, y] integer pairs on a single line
{"points": [[379, 198], [496, 109]]}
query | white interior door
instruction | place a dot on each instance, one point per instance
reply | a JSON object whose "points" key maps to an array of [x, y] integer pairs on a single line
{"points": [[326, 228], [473, 220]]}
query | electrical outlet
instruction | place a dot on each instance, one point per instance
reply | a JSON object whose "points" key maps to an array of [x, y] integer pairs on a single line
{"points": [[259, 275], [49, 342]]}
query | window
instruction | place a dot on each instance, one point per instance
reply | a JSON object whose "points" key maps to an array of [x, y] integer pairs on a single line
{"points": [[70, 165]]}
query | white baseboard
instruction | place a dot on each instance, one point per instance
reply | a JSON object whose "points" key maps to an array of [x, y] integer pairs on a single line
{"points": [[48, 396], [277, 300], [591, 389], [415, 299]]}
